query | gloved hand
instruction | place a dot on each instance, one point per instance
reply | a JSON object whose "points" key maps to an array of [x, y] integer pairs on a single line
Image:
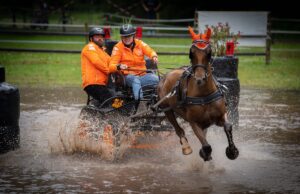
{"points": [[121, 67], [155, 59]]}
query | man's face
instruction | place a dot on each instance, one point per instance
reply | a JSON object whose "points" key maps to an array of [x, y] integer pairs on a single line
{"points": [[98, 40], [127, 40]]}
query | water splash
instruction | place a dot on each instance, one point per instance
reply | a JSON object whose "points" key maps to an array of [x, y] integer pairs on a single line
{"points": [[267, 138]]}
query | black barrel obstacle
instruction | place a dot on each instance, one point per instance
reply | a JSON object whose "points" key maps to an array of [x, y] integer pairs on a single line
{"points": [[9, 115], [226, 71]]}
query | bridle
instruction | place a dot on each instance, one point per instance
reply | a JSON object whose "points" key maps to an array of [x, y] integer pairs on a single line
{"points": [[195, 66], [181, 87], [197, 78]]}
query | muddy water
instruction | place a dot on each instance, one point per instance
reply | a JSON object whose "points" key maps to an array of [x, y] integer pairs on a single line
{"points": [[268, 138]]}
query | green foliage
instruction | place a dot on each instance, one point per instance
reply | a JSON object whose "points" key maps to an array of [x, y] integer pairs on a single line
{"points": [[220, 36]]}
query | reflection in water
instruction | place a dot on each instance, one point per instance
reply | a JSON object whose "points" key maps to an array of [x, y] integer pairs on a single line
{"points": [[268, 139]]}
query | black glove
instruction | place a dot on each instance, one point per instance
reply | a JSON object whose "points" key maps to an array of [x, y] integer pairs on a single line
{"points": [[119, 67]]}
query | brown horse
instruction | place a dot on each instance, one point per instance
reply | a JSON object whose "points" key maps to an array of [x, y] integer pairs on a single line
{"points": [[192, 94]]}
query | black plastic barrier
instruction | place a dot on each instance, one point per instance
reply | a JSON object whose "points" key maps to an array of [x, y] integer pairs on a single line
{"points": [[9, 115]]}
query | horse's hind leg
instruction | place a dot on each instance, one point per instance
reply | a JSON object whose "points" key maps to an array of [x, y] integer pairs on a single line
{"points": [[205, 151], [186, 148], [231, 151]]}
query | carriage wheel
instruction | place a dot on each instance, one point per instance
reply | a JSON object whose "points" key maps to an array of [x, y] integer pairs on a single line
{"points": [[105, 131]]}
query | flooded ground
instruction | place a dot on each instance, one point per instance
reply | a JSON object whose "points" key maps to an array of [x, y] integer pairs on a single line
{"points": [[268, 138]]}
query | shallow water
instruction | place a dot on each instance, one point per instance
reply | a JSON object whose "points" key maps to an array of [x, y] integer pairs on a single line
{"points": [[268, 139]]}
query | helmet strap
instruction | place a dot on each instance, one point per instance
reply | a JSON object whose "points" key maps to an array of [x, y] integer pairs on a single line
{"points": [[131, 45]]}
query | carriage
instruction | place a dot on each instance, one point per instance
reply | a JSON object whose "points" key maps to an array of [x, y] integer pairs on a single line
{"points": [[121, 122], [114, 123]]}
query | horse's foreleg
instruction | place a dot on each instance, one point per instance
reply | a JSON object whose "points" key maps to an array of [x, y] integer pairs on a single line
{"points": [[186, 148], [231, 151], [205, 151]]}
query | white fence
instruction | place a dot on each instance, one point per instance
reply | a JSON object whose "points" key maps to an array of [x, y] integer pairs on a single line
{"points": [[253, 25]]}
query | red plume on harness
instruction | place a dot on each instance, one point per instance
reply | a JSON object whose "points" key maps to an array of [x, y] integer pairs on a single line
{"points": [[203, 37]]}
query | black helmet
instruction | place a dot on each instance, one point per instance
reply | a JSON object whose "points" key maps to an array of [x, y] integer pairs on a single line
{"points": [[127, 30], [96, 31]]}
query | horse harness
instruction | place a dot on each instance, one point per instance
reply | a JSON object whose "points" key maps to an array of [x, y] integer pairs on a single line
{"points": [[181, 91], [189, 72]]}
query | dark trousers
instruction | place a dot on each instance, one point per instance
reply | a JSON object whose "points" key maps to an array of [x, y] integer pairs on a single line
{"points": [[98, 92]]}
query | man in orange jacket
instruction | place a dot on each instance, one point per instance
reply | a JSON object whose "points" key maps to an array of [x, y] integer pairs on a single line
{"points": [[95, 67], [128, 56]]}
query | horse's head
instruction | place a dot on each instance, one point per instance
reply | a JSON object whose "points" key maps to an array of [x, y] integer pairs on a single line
{"points": [[200, 55]]}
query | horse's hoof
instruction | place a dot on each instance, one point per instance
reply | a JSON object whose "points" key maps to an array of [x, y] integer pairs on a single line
{"points": [[205, 153], [186, 151], [232, 152]]}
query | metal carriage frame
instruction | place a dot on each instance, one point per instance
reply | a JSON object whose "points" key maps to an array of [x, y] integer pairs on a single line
{"points": [[139, 112]]}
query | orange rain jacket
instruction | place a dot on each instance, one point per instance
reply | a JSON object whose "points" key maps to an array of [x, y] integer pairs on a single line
{"points": [[132, 58], [94, 65]]}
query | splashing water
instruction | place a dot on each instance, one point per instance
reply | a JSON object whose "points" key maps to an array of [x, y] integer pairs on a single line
{"points": [[107, 136], [268, 140]]}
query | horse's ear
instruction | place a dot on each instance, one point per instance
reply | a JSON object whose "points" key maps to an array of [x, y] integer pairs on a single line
{"points": [[193, 34], [208, 33]]}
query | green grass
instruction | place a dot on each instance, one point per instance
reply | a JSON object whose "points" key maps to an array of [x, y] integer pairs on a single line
{"points": [[42, 69], [281, 73], [48, 69], [77, 42]]}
